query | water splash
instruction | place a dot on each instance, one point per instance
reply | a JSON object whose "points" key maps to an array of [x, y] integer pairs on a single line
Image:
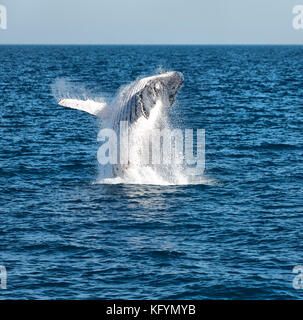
{"points": [[137, 172]]}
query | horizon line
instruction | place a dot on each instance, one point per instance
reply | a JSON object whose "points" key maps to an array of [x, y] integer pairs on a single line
{"points": [[155, 44]]}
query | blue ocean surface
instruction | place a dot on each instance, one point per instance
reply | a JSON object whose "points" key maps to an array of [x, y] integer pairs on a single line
{"points": [[64, 236]]}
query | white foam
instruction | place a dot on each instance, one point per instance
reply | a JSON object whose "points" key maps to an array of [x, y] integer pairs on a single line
{"points": [[137, 172]]}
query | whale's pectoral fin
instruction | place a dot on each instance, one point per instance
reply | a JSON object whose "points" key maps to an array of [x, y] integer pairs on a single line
{"points": [[99, 109]]}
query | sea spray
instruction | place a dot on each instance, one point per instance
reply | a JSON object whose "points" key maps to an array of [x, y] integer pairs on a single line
{"points": [[140, 167]]}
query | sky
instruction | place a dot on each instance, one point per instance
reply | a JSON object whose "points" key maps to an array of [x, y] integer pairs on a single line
{"points": [[150, 22]]}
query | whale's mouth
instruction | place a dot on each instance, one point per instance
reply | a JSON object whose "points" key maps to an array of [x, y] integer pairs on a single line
{"points": [[173, 83], [174, 91]]}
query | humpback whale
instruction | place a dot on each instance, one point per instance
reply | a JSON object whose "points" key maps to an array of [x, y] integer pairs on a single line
{"points": [[137, 101]]}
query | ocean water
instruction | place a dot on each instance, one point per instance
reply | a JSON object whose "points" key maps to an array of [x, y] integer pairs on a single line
{"points": [[64, 236]]}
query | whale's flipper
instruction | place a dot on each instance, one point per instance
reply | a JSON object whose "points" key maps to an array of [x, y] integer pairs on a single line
{"points": [[99, 109]]}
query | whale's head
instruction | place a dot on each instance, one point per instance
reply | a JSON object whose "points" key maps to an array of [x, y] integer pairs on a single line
{"points": [[162, 87], [171, 82]]}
